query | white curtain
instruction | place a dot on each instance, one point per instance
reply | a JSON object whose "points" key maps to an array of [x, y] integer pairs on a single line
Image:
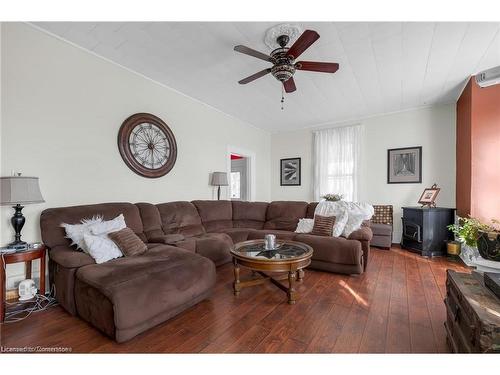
{"points": [[336, 161]]}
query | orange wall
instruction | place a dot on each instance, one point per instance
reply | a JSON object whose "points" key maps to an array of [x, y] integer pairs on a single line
{"points": [[478, 152], [463, 170]]}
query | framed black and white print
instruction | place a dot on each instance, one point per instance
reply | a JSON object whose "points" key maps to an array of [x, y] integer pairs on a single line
{"points": [[404, 165], [290, 172]]}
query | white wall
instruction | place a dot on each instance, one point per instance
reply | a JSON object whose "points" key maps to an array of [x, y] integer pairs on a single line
{"points": [[62, 108], [433, 128]]}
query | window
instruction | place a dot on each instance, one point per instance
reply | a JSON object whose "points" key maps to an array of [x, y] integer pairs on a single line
{"points": [[336, 161], [235, 185]]}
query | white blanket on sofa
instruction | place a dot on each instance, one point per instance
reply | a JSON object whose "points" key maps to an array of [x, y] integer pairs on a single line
{"points": [[356, 212]]}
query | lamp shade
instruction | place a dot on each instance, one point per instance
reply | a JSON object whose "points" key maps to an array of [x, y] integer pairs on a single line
{"points": [[19, 189], [219, 179]]}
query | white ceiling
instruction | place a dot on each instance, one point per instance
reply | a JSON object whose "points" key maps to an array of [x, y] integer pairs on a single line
{"points": [[384, 67]]}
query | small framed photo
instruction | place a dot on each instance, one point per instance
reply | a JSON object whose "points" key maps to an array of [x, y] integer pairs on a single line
{"points": [[290, 172], [404, 165], [429, 196]]}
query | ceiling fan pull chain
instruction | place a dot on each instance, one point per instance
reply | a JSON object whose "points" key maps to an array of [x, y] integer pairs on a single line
{"points": [[282, 96]]}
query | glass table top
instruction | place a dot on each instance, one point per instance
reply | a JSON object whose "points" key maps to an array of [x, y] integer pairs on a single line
{"points": [[284, 250]]}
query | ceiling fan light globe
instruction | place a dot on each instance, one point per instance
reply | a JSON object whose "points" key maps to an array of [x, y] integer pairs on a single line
{"points": [[283, 72]]}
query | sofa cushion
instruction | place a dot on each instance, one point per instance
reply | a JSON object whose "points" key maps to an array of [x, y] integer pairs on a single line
{"points": [[280, 234], [249, 214], [50, 220], [283, 215], [215, 214], [68, 257], [333, 249], [311, 208], [151, 220], [214, 246], [180, 217], [236, 234], [161, 279], [381, 229]]}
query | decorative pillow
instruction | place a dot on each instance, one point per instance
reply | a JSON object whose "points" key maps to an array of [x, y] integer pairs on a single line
{"points": [[305, 226], [128, 242], [75, 232], [108, 226], [101, 248], [323, 225], [326, 208]]}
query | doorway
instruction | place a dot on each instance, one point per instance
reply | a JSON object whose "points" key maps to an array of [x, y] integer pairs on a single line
{"points": [[238, 178]]}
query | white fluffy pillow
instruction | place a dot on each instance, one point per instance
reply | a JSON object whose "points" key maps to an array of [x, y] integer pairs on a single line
{"points": [[108, 226], [305, 226], [75, 232], [101, 248]]}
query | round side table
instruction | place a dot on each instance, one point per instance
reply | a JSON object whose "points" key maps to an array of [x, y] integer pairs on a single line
{"points": [[22, 256]]}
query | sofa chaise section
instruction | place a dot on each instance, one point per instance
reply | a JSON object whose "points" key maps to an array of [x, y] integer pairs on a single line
{"points": [[128, 295]]}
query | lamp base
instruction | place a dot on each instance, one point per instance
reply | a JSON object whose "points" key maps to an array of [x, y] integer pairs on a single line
{"points": [[17, 222]]}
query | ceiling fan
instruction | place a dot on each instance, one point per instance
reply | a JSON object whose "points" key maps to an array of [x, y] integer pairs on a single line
{"points": [[283, 60]]}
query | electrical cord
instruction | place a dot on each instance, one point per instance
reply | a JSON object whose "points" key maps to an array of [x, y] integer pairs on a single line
{"points": [[40, 303]]}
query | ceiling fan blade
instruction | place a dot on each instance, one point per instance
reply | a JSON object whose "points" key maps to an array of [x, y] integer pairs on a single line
{"points": [[253, 77], [307, 38], [289, 85], [315, 66], [252, 52]]}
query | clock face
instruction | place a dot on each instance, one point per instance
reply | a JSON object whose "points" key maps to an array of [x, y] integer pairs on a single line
{"points": [[147, 145]]}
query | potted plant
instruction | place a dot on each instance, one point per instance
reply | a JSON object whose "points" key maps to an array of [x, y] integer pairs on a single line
{"points": [[479, 237], [332, 197], [488, 242]]}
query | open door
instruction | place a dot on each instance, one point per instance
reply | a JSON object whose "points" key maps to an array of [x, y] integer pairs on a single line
{"points": [[239, 178]]}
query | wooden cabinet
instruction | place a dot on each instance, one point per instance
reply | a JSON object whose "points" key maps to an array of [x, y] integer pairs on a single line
{"points": [[472, 315], [425, 229]]}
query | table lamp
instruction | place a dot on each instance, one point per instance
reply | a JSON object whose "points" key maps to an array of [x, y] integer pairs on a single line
{"points": [[16, 191], [219, 179]]}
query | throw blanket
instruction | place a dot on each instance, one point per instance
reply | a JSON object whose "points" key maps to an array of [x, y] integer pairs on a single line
{"points": [[356, 213]]}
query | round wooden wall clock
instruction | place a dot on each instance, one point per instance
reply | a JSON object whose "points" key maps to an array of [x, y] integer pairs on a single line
{"points": [[147, 145]]}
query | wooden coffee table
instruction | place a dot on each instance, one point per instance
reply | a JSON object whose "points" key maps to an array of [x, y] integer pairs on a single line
{"points": [[287, 262]]}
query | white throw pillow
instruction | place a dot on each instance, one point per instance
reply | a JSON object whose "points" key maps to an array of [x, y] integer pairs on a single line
{"points": [[75, 232], [305, 226], [101, 248], [108, 226]]}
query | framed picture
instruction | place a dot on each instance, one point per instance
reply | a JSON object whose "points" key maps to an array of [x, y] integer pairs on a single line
{"points": [[404, 165], [290, 172], [429, 196]]}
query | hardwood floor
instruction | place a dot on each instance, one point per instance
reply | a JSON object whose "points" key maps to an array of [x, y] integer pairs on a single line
{"points": [[394, 307]]}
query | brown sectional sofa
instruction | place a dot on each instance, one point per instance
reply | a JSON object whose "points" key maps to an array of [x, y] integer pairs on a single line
{"points": [[186, 241]]}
